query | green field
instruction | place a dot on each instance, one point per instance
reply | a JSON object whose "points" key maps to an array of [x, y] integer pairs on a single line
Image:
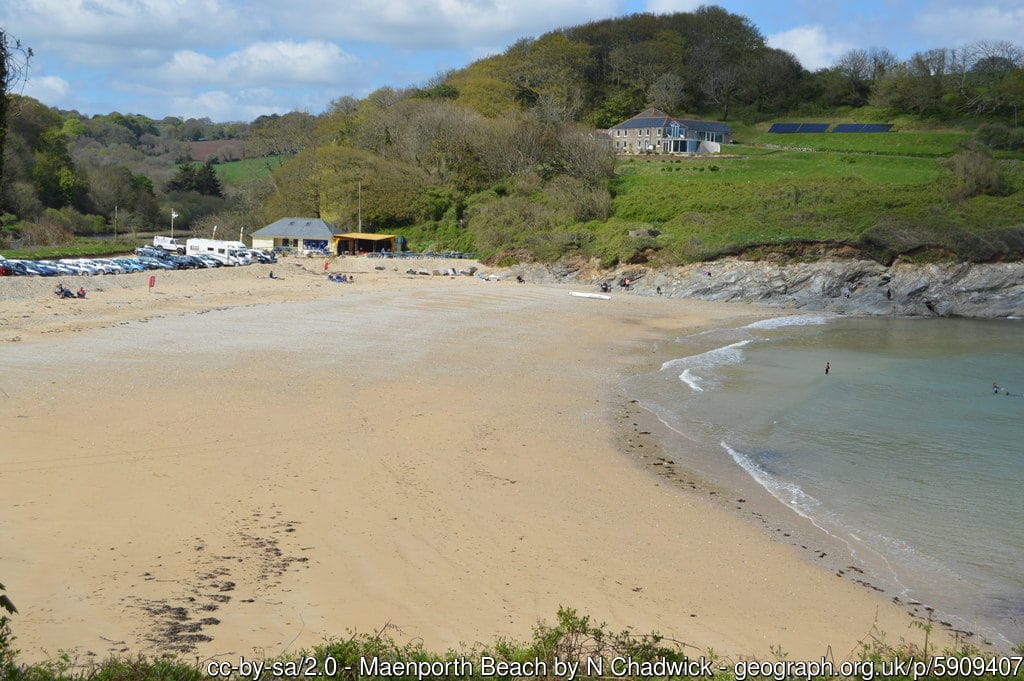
{"points": [[763, 197], [928, 144], [238, 172]]}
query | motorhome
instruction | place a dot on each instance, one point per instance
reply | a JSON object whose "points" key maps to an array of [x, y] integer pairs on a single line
{"points": [[228, 252], [169, 243]]}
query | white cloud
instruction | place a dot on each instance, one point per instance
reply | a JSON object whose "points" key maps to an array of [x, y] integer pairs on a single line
{"points": [[280, 63], [811, 45], [50, 90], [949, 26], [219, 105], [672, 6], [439, 24], [92, 29]]}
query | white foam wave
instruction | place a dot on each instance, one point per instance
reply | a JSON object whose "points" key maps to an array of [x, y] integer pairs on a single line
{"points": [[791, 320], [707, 361], [689, 379], [786, 492], [728, 354]]}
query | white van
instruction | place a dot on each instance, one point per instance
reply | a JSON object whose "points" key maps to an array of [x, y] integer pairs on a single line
{"points": [[169, 243], [228, 252]]}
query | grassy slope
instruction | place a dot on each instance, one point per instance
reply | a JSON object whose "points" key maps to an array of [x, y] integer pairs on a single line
{"points": [[891, 185], [238, 172]]}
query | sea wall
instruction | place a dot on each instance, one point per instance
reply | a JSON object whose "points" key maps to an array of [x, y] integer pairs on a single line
{"points": [[848, 286]]}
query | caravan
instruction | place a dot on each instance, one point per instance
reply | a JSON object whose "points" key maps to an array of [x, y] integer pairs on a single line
{"points": [[227, 252]]}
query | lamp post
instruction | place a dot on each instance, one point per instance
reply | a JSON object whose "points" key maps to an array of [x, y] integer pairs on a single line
{"points": [[360, 185], [173, 215]]}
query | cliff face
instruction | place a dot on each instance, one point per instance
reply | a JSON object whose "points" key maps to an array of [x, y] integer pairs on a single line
{"points": [[844, 286]]}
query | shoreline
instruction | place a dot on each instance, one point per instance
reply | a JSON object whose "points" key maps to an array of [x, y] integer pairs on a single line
{"points": [[491, 496], [646, 436]]}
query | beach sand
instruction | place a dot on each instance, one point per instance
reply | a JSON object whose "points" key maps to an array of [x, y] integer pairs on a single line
{"points": [[231, 465]]}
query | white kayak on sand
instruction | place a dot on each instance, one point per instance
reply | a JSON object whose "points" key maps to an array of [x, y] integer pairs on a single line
{"points": [[599, 296]]}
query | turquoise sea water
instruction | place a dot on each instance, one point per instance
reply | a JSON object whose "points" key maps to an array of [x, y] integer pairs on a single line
{"points": [[902, 456]]}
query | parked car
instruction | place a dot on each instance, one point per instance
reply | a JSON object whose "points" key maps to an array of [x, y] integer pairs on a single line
{"points": [[18, 268], [130, 264], [156, 263], [41, 268], [262, 256], [61, 267], [85, 267], [210, 261]]}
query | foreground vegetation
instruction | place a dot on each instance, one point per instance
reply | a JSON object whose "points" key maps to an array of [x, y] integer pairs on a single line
{"points": [[573, 638]]}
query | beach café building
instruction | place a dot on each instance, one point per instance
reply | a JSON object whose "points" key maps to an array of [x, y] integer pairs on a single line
{"points": [[313, 235], [295, 235], [363, 242]]}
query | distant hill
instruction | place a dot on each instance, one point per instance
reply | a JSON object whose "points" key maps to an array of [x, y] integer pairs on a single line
{"points": [[606, 71]]}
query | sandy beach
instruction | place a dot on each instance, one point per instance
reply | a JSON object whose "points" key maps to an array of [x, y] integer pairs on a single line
{"points": [[228, 464]]}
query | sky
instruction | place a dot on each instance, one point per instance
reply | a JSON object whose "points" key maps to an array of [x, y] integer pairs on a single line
{"points": [[234, 60]]}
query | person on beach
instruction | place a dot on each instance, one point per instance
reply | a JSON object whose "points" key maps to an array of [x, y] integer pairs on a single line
{"points": [[272, 275], [827, 367], [81, 292]]}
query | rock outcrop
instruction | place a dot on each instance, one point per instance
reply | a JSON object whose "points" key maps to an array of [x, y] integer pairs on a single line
{"points": [[990, 290]]}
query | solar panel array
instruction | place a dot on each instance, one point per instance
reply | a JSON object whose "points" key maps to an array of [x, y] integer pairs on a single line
{"points": [[782, 128], [862, 127], [798, 127]]}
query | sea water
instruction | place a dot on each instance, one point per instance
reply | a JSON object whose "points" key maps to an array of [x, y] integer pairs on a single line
{"points": [[903, 455]]}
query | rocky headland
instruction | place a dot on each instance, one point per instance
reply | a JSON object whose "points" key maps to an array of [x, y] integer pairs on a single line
{"points": [[845, 286]]}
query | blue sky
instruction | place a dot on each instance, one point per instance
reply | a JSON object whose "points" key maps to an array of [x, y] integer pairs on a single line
{"points": [[235, 60]]}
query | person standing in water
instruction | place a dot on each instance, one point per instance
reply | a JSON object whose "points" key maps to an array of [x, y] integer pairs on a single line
{"points": [[827, 367]]}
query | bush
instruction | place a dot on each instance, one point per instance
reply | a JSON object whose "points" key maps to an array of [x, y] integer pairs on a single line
{"points": [[995, 135], [976, 172]]}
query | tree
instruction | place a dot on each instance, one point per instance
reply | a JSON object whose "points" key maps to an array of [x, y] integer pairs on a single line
{"points": [[666, 92], [205, 181], [184, 180], [14, 60], [54, 174]]}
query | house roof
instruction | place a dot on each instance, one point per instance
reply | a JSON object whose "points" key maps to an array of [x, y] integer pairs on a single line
{"points": [[703, 126], [653, 118], [298, 228]]}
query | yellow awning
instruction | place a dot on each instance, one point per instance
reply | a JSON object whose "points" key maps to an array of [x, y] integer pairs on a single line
{"points": [[365, 236]]}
